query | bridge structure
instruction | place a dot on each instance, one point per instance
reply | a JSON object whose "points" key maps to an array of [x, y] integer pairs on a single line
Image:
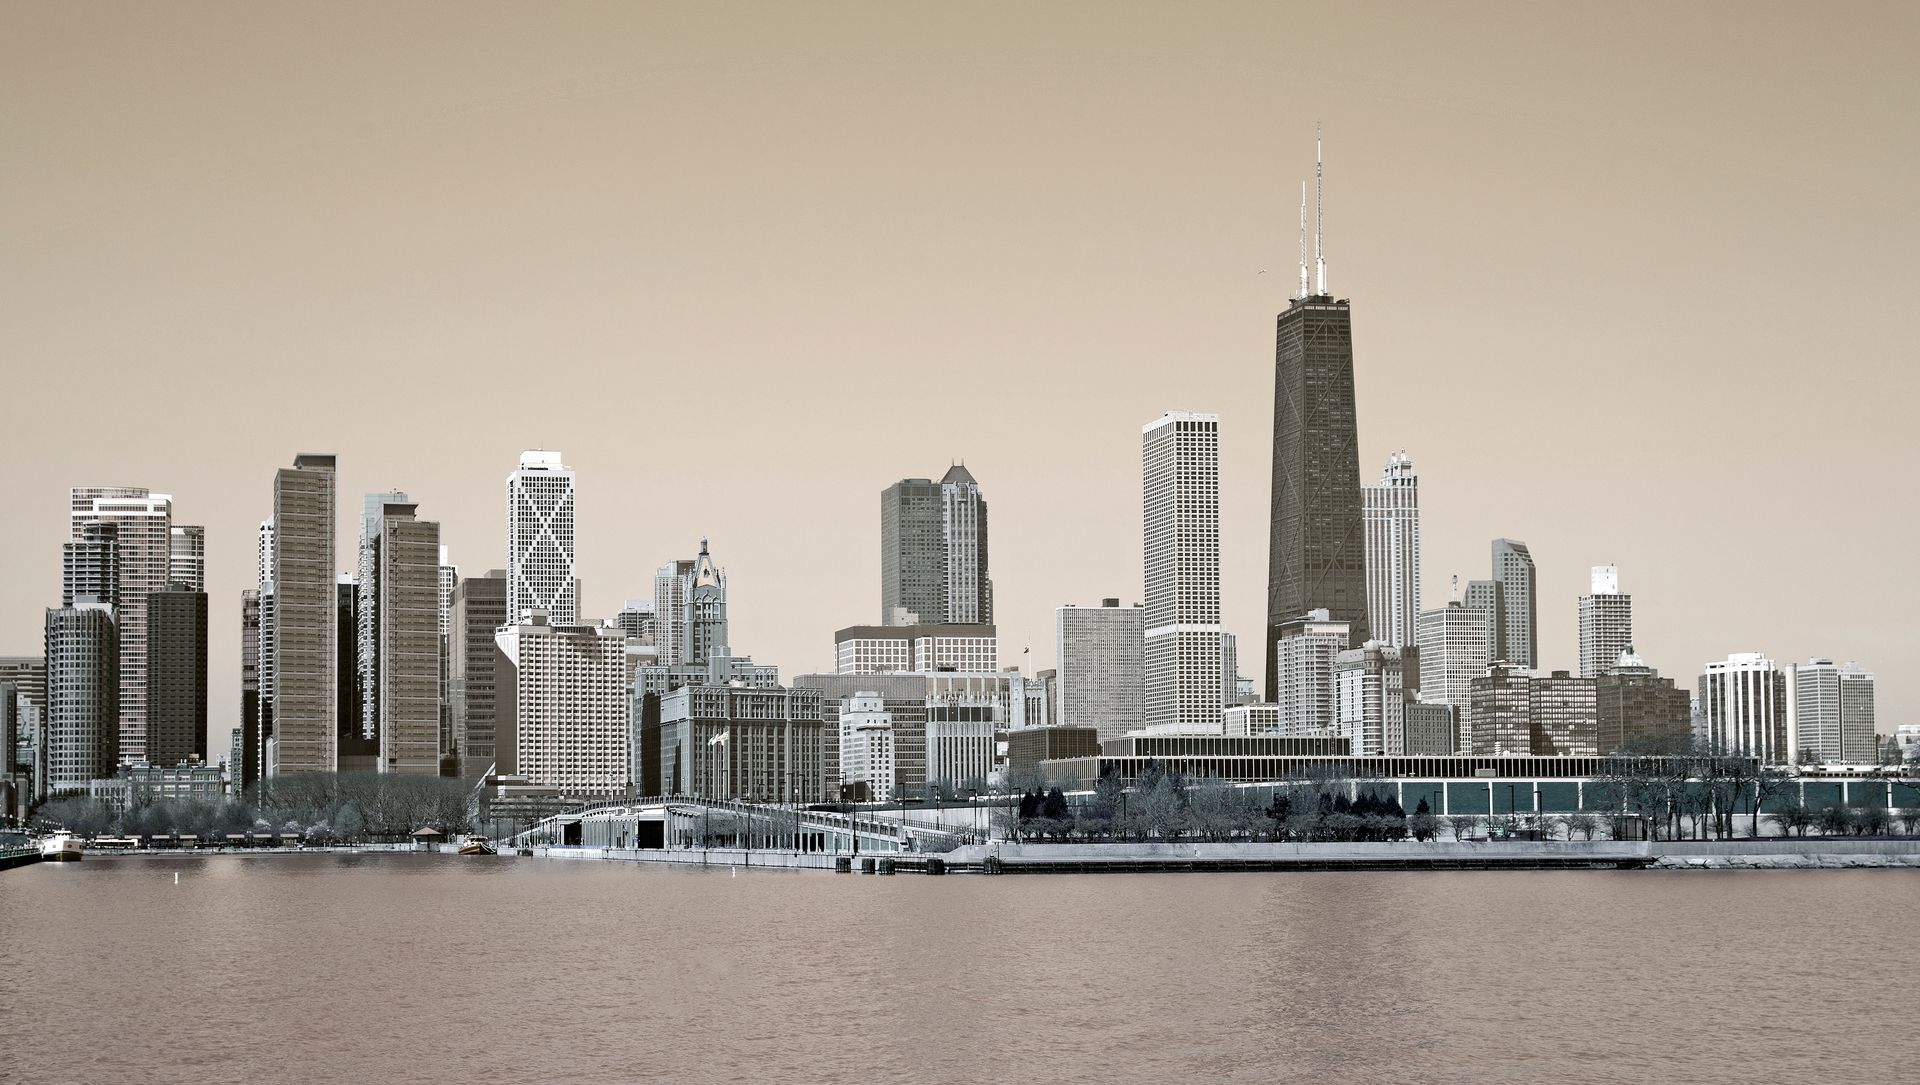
{"points": [[684, 822]]}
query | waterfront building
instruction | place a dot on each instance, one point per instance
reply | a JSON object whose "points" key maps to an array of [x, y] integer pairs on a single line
{"points": [[1391, 511], [1516, 622], [1303, 662], [1743, 707], [143, 548], [304, 620], [1027, 749], [187, 556], [1637, 710], [1372, 688], [1317, 554], [884, 649], [1100, 667], [540, 539], [399, 644], [866, 749], [1180, 512], [1429, 729], [177, 674], [563, 712], [1606, 623], [751, 745], [1453, 652], [1831, 712], [933, 552], [83, 694], [479, 608]]}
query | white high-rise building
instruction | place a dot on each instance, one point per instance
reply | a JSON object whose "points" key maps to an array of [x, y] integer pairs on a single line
{"points": [[1390, 511], [187, 557], [1606, 624], [1371, 704], [540, 550], [1180, 514], [867, 745], [1831, 712], [1304, 655], [964, 525], [143, 542], [1100, 654], [1743, 707], [1519, 626], [565, 711], [1453, 652]]}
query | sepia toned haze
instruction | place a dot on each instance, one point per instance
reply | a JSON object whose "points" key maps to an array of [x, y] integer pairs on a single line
{"points": [[1632, 283]]}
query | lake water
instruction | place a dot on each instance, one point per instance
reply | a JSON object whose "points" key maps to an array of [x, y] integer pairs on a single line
{"points": [[418, 968]]}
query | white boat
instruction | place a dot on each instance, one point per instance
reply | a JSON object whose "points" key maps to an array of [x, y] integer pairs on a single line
{"points": [[61, 848]]}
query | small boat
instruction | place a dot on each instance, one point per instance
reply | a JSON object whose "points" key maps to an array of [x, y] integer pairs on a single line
{"points": [[477, 845], [61, 848]]}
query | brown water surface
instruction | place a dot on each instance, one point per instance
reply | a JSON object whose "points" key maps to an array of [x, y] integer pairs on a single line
{"points": [[414, 968]]}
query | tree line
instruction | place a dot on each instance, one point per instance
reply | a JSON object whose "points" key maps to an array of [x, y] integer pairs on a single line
{"points": [[347, 807]]}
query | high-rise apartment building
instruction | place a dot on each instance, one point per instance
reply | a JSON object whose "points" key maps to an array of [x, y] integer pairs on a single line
{"points": [[399, 621], [1743, 707], [304, 620], [563, 711], [1180, 513], [1516, 712], [1453, 652], [1100, 673], [143, 540], [1372, 688], [187, 556], [1307, 694], [540, 548], [1831, 717], [479, 609], [1640, 711], [1517, 619], [1391, 512], [1317, 557], [83, 695], [933, 552], [176, 675], [1606, 623]]}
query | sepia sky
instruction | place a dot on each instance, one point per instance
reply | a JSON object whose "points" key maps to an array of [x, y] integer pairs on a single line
{"points": [[1631, 283]]}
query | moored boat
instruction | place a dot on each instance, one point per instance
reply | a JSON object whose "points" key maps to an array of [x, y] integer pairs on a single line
{"points": [[61, 848], [477, 845]]}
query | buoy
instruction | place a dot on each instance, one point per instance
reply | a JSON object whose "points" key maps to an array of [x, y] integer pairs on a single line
{"points": [[735, 870], [176, 877]]}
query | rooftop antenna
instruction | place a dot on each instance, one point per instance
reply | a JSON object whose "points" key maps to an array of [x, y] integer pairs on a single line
{"points": [[1319, 214], [1456, 587], [1303, 242]]}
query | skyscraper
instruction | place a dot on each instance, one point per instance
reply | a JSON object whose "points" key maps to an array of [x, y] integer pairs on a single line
{"points": [[90, 565], [1517, 621], [1317, 558], [933, 552], [1391, 511], [1831, 712], [143, 537], [1483, 598], [1743, 706], [176, 674], [399, 634], [540, 549], [83, 694], [1453, 652], [187, 556], [304, 620], [1371, 684], [1180, 514], [704, 631], [1304, 661], [479, 608], [1101, 663], [1606, 623], [564, 712]]}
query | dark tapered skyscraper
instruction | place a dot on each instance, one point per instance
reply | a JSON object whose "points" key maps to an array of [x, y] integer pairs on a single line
{"points": [[1317, 558], [933, 552]]}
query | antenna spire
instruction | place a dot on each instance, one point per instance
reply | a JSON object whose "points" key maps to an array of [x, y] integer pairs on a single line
{"points": [[1304, 291], [1319, 213]]}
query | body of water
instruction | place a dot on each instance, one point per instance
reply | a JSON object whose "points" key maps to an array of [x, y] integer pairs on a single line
{"points": [[428, 968]]}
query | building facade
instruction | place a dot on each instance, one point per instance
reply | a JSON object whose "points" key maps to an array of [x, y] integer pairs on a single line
{"points": [[1391, 511], [187, 556], [479, 609], [304, 620], [1639, 711], [540, 539], [1180, 513], [1832, 712], [1304, 663], [398, 622], [1743, 707], [1517, 625], [564, 716], [886, 649], [1100, 672], [749, 745], [1372, 688], [1453, 652], [83, 695], [177, 675], [1606, 623], [866, 749], [143, 540]]}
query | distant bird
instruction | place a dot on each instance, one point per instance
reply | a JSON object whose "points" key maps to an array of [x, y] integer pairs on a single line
{"points": [[1262, 271]]}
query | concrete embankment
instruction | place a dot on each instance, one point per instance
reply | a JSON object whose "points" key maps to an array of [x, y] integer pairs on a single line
{"points": [[1816, 854], [1399, 855]]}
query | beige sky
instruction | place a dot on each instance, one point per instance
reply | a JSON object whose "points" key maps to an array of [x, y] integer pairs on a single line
{"points": [[1631, 283]]}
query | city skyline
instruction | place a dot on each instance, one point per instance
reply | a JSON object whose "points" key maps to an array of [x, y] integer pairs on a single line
{"points": [[1058, 458]]}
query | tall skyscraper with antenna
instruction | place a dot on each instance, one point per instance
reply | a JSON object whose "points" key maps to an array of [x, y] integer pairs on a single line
{"points": [[1317, 558]]}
